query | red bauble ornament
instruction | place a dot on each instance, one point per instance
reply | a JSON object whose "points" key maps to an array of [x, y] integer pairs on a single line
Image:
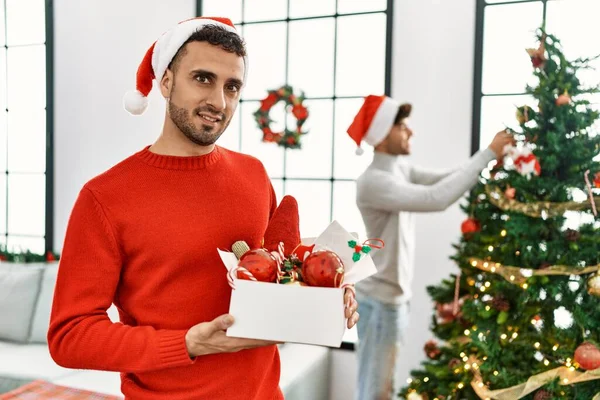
{"points": [[597, 180], [260, 263], [563, 99], [432, 350], [470, 226], [446, 312], [323, 268], [587, 355]]}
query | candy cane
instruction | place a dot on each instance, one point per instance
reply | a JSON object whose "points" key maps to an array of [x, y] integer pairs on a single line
{"points": [[232, 275], [280, 257]]}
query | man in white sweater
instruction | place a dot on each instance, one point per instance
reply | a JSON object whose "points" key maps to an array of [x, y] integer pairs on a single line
{"points": [[389, 192]]}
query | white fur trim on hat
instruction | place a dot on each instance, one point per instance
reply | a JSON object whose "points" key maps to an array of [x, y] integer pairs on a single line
{"points": [[171, 41], [135, 102], [382, 121]]}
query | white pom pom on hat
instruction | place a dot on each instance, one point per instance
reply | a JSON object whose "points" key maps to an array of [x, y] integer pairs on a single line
{"points": [[373, 121], [161, 53]]}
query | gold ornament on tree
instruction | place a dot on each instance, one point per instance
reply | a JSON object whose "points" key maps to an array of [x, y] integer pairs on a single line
{"points": [[594, 285]]}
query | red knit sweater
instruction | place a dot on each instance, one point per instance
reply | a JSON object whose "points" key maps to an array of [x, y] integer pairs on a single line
{"points": [[144, 236]]}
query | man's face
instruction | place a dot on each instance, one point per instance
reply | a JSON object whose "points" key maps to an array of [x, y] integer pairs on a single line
{"points": [[203, 91], [399, 139]]}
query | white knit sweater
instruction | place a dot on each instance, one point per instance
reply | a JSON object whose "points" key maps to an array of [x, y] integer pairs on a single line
{"points": [[389, 192]]}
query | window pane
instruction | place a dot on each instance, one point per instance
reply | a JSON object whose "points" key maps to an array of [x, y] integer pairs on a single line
{"points": [[503, 1], [26, 204], [345, 210], [311, 56], [3, 148], [509, 30], [270, 154], [314, 203], [230, 139], [232, 9], [309, 8], [574, 23], [27, 141], [27, 77], [25, 22], [19, 244], [346, 163], [353, 6], [360, 60], [263, 10], [2, 203], [2, 78], [278, 188], [2, 25], [266, 50], [499, 112], [314, 159]]}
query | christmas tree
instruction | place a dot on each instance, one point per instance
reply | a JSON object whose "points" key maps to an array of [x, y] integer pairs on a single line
{"points": [[522, 319]]}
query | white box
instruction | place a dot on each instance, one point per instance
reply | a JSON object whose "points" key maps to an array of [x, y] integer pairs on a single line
{"points": [[291, 313]]}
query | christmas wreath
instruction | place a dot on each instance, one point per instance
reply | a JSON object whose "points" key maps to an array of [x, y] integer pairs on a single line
{"points": [[288, 138]]}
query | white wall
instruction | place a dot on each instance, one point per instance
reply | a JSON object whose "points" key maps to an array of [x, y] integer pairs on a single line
{"points": [[98, 46], [434, 44]]}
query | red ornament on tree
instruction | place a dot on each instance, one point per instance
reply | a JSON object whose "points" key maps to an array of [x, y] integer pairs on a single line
{"points": [[446, 312], [323, 268], [597, 180], [538, 56], [563, 99], [260, 263], [432, 350], [470, 226], [587, 355]]}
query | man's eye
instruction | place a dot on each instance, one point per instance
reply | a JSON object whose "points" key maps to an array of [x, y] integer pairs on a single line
{"points": [[202, 79], [233, 88]]}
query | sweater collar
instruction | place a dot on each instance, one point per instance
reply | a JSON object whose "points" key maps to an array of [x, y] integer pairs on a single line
{"points": [[179, 162], [383, 161]]}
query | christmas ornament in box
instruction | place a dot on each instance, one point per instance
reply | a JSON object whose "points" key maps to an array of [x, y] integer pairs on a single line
{"points": [[305, 302]]}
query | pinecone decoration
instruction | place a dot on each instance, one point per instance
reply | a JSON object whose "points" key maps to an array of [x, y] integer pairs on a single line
{"points": [[454, 363], [542, 394], [500, 303], [432, 350], [572, 235]]}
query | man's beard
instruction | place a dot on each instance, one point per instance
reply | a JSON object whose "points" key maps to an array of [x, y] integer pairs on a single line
{"points": [[202, 136]]}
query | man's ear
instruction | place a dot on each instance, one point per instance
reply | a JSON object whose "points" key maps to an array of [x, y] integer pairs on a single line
{"points": [[166, 83]]}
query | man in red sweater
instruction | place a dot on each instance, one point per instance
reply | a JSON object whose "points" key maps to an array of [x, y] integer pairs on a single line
{"points": [[143, 235]]}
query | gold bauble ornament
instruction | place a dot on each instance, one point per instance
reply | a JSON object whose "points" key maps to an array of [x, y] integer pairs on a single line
{"points": [[594, 285]]}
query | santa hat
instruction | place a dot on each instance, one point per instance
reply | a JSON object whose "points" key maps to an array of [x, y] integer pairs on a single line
{"points": [[161, 53], [373, 121]]}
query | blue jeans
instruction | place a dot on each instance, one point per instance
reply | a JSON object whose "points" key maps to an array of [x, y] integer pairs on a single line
{"points": [[381, 331]]}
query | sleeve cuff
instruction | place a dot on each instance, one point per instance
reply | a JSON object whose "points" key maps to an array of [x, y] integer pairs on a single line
{"points": [[172, 351]]}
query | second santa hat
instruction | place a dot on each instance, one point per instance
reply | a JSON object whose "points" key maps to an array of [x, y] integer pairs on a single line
{"points": [[161, 53], [373, 121]]}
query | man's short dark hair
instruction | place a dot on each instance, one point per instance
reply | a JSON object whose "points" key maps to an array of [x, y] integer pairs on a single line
{"points": [[403, 113], [215, 35]]}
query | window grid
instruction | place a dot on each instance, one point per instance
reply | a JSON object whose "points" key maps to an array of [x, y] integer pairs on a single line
{"points": [[547, 18], [47, 237], [242, 24]]}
